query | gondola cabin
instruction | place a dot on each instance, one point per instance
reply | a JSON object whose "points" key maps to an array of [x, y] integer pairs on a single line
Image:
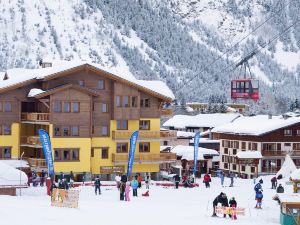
{"points": [[245, 89]]}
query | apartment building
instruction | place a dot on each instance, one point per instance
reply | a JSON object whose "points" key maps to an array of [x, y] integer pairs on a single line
{"points": [[90, 114]]}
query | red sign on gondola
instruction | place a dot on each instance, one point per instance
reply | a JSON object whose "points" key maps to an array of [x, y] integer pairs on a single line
{"points": [[245, 89]]}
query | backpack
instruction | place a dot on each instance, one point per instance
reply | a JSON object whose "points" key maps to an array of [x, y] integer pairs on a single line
{"points": [[257, 187]]}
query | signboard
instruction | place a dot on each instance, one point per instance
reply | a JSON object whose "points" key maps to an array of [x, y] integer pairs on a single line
{"points": [[65, 198], [46, 143], [112, 169], [230, 210]]}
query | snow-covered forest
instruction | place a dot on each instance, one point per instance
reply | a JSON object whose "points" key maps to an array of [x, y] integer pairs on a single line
{"points": [[183, 42]]}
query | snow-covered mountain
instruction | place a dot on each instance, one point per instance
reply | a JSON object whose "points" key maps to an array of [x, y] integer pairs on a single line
{"points": [[173, 40]]}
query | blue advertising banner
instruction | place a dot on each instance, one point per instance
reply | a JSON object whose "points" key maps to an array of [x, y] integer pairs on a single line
{"points": [[45, 140], [133, 141], [196, 149]]}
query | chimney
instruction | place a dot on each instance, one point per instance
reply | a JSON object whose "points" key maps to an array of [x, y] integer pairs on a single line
{"points": [[5, 76], [45, 64], [270, 116]]}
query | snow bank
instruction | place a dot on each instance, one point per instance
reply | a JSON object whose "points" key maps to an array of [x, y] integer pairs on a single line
{"points": [[200, 120], [249, 155], [287, 168], [185, 134], [256, 125], [11, 176], [15, 163]]}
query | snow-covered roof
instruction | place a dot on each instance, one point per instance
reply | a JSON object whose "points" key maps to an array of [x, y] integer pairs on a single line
{"points": [[295, 198], [206, 140], [185, 134], [21, 75], [200, 120], [35, 91], [288, 167], [296, 174], [256, 125], [10, 176], [249, 155], [16, 163], [187, 152]]}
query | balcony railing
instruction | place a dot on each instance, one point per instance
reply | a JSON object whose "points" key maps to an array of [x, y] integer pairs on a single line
{"points": [[145, 135], [35, 117], [41, 163], [280, 153], [145, 158], [31, 140], [270, 169]]}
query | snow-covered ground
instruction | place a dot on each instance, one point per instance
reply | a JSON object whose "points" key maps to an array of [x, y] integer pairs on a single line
{"points": [[164, 206]]}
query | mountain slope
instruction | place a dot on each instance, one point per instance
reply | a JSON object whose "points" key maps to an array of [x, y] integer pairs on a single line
{"points": [[175, 41]]}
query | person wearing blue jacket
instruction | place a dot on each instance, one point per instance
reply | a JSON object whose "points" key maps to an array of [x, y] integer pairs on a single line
{"points": [[134, 184]]}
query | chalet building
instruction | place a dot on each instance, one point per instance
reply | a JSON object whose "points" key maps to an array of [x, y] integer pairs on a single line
{"points": [[273, 137], [200, 107], [90, 114]]}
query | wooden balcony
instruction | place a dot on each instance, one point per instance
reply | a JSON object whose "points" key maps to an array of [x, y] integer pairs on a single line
{"points": [[166, 112], [31, 141], [40, 163], [267, 153], [35, 117], [145, 158], [270, 169], [144, 135]]}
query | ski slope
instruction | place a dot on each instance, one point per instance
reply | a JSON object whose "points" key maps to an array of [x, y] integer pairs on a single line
{"points": [[164, 206]]}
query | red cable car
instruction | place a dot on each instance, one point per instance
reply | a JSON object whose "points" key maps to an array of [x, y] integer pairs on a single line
{"points": [[245, 89]]}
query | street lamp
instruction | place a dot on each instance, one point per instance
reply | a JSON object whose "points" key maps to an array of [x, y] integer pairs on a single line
{"points": [[21, 172]]}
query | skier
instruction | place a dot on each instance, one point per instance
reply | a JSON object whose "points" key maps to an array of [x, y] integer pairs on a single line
{"points": [[274, 183], [124, 178], [206, 180], [71, 179], [43, 176], [221, 198], [97, 184], [231, 175], [258, 185], [147, 181], [127, 191], [222, 177], [122, 190], [118, 180], [233, 205], [134, 185], [139, 180], [177, 180], [258, 196], [61, 176], [280, 189]]}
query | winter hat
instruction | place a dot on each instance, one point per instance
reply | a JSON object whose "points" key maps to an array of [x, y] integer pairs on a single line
{"points": [[261, 181]]}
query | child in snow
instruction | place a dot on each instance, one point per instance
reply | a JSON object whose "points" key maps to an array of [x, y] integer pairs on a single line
{"points": [[134, 185], [127, 191], [147, 181], [233, 204], [258, 197], [206, 180]]}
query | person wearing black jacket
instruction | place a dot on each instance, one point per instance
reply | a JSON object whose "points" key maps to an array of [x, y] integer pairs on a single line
{"points": [[222, 199], [124, 178], [177, 180], [97, 184], [280, 189], [233, 204]]}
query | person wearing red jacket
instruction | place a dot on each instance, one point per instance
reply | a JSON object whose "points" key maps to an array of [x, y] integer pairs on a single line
{"points": [[206, 180]]}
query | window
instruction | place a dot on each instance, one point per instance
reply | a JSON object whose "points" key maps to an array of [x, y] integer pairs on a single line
{"points": [[296, 146], [225, 150], [287, 132], [144, 147], [57, 131], [122, 125], [147, 102], [75, 131], [243, 168], [287, 144], [67, 107], [252, 169], [61, 154], [92, 152], [66, 131], [125, 101], [75, 107], [57, 107], [5, 152], [104, 153], [134, 101], [144, 124], [6, 130], [233, 166], [297, 132], [101, 84], [104, 108], [234, 151], [81, 82], [235, 144], [142, 103], [254, 146], [243, 145], [118, 101], [225, 165], [104, 130], [1, 107], [122, 147], [165, 142], [7, 107]]}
